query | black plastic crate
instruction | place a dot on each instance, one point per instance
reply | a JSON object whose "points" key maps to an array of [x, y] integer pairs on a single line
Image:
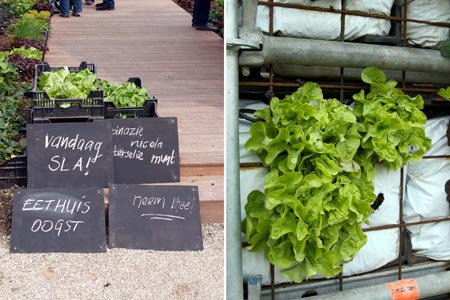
{"points": [[49, 110], [13, 172], [148, 110]]}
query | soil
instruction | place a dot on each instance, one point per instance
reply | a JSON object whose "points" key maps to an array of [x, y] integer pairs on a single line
{"points": [[6, 196]]}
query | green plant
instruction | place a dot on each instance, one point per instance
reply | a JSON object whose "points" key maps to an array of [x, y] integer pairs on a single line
{"points": [[321, 157], [216, 13], [8, 76], [41, 15], [62, 84], [11, 121], [29, 28], [30, 52], [444, 93], [18, 7], [125, 95]]}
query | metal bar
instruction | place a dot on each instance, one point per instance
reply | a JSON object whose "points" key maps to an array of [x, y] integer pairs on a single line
{"points": [[390, 226], [330, 286], [333, 73], [436, 156], [401, 229], [271, 34], [428, 286], [330, 86], [338, 54], [249, 8], [272, 280], [234, 277], [353, 13], [342, 37]]}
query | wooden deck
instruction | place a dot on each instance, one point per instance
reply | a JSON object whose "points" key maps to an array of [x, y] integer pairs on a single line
{"points": [[180, 66]]}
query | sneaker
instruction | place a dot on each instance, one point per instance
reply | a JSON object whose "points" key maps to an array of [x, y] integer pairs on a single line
{"points": [[89, 2], [99, 4], [63, 16], [207, 26], [102, 7]]}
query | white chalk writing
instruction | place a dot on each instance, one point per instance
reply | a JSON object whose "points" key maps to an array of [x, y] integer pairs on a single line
{"points": [[132, 131], [163, 159], [57, 226], [148, 201], [63, 206]]}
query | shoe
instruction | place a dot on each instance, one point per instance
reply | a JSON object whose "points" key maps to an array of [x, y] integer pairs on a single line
{"points": [[63, 16], [207, 26], [89, 2], [76, 14], [102, 7], [99, 4]]}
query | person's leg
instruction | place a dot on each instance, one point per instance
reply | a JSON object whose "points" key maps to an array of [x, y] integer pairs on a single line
{"points": [[64, 7], [77, 7], [201, 13], [105, 5]]}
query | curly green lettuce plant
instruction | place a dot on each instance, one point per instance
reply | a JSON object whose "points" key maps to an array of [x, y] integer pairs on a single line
{"points": [[18, 7], [321, 157]]}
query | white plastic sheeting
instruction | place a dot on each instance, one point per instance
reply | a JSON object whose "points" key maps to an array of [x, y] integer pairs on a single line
{"points": [[382, 246], [424, 35], [292, 22], [426, 198]]}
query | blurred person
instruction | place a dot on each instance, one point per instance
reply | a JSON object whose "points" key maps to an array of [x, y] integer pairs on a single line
{"points": [[201, 15], [105, 5], [65, 5]]}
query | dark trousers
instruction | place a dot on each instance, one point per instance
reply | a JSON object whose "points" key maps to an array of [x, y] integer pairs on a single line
{"points": [[201, 12], [108, 3]]}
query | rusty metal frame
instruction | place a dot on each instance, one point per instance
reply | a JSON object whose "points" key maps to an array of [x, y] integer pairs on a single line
{"points": [[342, 86]]}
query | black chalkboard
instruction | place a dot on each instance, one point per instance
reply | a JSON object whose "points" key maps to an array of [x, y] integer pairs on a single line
{"points": [[58, 220], [145, 150], [69, 155], [154, 217]]}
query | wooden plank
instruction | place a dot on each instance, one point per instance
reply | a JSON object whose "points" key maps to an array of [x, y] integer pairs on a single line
{"points": [[179, 65]]}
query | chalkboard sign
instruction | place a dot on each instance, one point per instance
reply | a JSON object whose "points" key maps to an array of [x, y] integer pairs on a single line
{"points": [[69, 155], [154, 217], [145, 150], [58, 220]]}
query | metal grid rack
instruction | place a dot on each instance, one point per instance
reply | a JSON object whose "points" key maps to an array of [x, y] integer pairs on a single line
{"points": [[265, 87]]}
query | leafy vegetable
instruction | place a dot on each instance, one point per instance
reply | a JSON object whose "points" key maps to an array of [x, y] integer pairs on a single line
{"points": [[29, 52], [393, 121], [25, 66], [125, 95], [18, 7], [444, 93], [11, 121], [321, 157], [62, 84]]}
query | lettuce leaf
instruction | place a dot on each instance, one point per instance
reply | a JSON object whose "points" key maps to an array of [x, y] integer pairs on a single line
{"points": [[321, 157]]}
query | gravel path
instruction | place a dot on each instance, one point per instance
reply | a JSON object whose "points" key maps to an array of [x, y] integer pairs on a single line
{"points": [[117, 274]]}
